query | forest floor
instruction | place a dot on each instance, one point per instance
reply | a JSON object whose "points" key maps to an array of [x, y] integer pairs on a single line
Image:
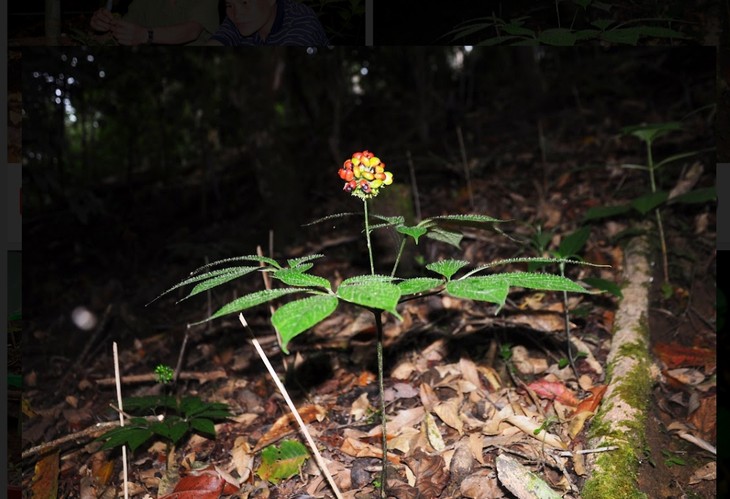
{"points": [[456, 373]]}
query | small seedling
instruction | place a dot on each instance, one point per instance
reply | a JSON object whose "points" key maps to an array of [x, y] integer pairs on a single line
{"points": [[164, 374], [175, 419], [655, 198]]}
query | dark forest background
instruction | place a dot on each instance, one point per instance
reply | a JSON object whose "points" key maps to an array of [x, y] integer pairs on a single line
{"points": [[135, 160]]}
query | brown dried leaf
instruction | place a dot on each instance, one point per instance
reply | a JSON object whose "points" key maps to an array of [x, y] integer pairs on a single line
{"points": [[428, 396], [430, 471], [286, 425], [707, 472], [705, 418], [448, 412], [553, 390], [360, 407], [356, 448], [433, 433], [242, 458], [45, 476], [480, 485]]}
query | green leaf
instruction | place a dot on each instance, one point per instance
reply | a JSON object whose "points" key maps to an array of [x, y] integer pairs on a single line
{"points": [[649, 132], [254, 258], [445, 236], [628, 36], [389, 221], [377, 294], [704, 195], [469, 219], [606, 212], [531, 260], [557, 36], [573, 243], [447, 268], [484, 288], [602, 24], [204, 426], [331, 217], [296, 317], [250, 300], [172, 429], [418, 285], [644, 204], [130, 436], [540, 281], [282, 462], [360, 279], [587, 34], [414, 232], [515, 29], [202, 277], [226, 276], [604, 285], [295, 262], [194, 407], [137, 404], [293, 277]]}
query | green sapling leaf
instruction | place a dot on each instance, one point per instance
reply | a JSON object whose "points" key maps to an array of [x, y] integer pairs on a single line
{"points": [[644, 204], [375, 294], [254, 258], [445, 236], [204, 426], [483, 288], [294, 277], [540, 281], [296, 317], [248, 301], [295, 262], [224, 277], [573, 243], [202, 277], [418, 285], [447, 268], [414, 232]]}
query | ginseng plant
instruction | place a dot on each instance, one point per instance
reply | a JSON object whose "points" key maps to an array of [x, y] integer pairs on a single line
{"points": [[365, 176]]}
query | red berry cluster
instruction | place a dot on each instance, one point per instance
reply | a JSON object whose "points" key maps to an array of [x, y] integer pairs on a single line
{"points": [[364, 174]]}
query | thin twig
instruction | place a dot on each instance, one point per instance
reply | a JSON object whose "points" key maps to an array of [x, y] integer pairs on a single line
{"points": [[202, 377], [121, 417], [293, 409], [90, 432]]}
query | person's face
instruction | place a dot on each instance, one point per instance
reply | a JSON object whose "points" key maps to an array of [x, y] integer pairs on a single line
{"points": [[250, 16]]}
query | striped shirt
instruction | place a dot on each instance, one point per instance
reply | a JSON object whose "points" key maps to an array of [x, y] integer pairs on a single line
{"points": [[295, 25]]}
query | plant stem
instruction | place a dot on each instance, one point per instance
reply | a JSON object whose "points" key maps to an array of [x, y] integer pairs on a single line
{"points": [[367, 236], [660, 226], [384, 472], [397, 257], [379, 349]]}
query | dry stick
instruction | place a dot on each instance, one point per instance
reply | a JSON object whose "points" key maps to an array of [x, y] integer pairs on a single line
{"points": [[121, 416], [466, 167], [414, 186], [292, 408], [202, 377], [91, 432]]}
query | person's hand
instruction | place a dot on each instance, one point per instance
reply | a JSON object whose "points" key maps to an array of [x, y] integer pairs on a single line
{"points": [[127, 33], [102, 20]]}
